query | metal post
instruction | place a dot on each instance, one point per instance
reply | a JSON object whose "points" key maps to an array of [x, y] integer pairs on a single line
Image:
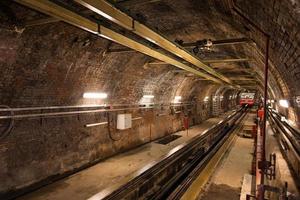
{"points": [[265, 94], [260, 192]]}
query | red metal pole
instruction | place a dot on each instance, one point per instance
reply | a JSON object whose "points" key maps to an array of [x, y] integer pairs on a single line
{"points": [[261, 157]]}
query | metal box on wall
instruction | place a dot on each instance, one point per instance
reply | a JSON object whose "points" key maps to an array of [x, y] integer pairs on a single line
{"points": [[124, 121]]}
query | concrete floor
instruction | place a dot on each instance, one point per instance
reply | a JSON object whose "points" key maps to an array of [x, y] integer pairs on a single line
{"points": [[226, 182], [283, 172], [114, 171]]}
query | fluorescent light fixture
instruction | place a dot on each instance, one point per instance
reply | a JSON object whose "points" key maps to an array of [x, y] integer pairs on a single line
{"points": [[283, 119], [177, 99], [291, 122], [94, 95], [284, 103], [148, 96]]}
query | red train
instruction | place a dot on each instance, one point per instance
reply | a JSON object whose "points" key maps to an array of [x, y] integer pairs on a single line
{"points": [[247, 99]]}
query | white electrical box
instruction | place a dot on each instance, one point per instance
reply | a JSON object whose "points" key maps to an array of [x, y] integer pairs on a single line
{"points": [[124, 121]]}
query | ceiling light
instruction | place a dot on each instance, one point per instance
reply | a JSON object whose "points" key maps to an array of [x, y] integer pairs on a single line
{"points": [[284, 103], [177, 97], [283, 119], [148, 96], [94, 95], [206, 98]]}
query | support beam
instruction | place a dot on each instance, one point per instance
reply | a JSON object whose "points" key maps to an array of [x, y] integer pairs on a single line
{"points": [[227, 60], [242, 79], [157, 63], [111, 13], [52, 9], [124, 3], [38, 22], [232, 41], [48, 20]]}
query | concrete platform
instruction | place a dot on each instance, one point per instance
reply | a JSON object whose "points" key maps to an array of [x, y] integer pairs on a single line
{"points": [[227, 180], [114, 171]]}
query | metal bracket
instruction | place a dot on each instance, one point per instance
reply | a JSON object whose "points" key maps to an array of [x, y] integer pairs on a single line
{"points": [[269, 167]]}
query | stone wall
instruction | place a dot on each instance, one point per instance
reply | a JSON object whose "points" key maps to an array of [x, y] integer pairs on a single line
{"points": [[45, 67]]}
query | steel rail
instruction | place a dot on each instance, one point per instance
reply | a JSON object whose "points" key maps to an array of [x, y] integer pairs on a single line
{"points": [[155, 170], [184, 185], [289, 140], [289, 133], [231, 41]]}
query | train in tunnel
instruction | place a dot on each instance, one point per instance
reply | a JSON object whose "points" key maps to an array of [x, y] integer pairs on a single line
{"points": [[247, 98]]}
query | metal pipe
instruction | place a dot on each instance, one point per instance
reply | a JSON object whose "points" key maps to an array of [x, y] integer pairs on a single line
{"points": [[90, 106], [260, 194], [221, 42], [20, 116], [50, 108], [51, 114]]}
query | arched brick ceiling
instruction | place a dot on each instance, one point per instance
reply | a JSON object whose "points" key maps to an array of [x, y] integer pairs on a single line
{"points": [[55, 63]]}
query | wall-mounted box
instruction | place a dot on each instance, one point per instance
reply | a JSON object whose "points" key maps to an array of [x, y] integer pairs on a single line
{"points": [[124, 121]]}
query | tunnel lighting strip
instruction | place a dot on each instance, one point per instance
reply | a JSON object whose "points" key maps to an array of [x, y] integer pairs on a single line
{"points": [[137, 118], [284, 103], [161, 114], [148, 96], [206, 98], [96, 124], [94, 95]]}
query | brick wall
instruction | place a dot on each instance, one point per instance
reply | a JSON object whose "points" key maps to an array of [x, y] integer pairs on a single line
{"points": [[46, 67], [280, 19]]}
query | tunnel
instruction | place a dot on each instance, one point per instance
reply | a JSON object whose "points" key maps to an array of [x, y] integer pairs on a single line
{"points": [[86, 82]]}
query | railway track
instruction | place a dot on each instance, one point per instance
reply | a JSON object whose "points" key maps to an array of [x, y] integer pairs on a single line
{"points": [[171, 176], [289, 139]]}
